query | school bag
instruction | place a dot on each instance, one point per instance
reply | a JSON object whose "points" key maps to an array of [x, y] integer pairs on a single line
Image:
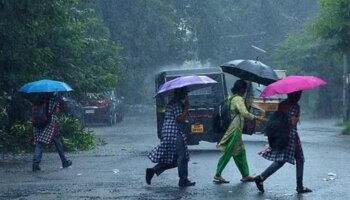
{"points": [[223, 119], [40, 114], [277, 130]]}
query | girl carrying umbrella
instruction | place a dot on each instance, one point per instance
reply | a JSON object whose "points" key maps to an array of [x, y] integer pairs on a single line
{"points": [[231, 143], [293, 153], [172, 151]]}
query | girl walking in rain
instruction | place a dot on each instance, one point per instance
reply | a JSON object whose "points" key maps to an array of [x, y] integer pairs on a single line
{"points": [[293, 153], [172, 151], [45, 135], [231, 143]]}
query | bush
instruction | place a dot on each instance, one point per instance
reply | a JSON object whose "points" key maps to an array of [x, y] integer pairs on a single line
{"points": [[18, 139], [75, 136], [346, 129]]}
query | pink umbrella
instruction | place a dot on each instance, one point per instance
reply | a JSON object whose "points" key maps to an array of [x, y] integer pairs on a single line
{"points": [[291, 84]]}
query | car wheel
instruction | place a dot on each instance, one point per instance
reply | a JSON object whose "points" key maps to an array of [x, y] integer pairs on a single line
{"points": [[119, 117], [112, 119]]}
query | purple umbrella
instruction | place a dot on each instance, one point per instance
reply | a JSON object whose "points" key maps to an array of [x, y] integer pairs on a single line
{"points": [[190, 82]]}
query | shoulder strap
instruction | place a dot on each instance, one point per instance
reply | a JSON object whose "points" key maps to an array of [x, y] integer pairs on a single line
{"points": [[236, 113], [229, 107], [230, 99]]}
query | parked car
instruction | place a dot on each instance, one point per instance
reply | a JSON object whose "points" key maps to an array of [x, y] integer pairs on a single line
{"points": [[103, 108], [74, 108]]}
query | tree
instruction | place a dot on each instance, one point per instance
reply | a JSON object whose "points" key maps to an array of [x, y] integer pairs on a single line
{"points": [[151, 36], [303, 53], [333, 24], [54, 39], [155, 33], [224, 30]]}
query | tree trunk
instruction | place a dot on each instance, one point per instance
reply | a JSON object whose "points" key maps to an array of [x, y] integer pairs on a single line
{"points": [[345, 87]]}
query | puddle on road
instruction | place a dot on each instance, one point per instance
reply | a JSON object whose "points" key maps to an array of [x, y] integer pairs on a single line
{"points": [[331, 177]]}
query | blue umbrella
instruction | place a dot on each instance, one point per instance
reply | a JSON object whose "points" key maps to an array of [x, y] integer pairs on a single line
{"points": [[45, 86]]}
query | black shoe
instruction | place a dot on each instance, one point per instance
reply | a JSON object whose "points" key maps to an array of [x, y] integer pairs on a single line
{"points": [[259, 181], [66, 164], [149, 175], [36, 168], [186, 183], [303, 190]]}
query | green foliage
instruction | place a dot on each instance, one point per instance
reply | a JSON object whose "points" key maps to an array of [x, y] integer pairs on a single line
{"points": [[4, 118], [71, 40], [18, 139], [99, 45], [82, 54], [150, 35], [224, 30], [75, 136], [296, 52], [158, 34], [333, 23], [317, 50], [303, 53], [346, 130], [54, 39]]}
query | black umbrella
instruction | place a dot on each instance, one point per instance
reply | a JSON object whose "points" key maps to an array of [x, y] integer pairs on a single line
{"points": [[251, 70]]}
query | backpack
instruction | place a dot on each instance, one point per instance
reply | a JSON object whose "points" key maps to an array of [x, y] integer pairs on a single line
{"points": [[277, 130], [223, 119], [40, 114]]}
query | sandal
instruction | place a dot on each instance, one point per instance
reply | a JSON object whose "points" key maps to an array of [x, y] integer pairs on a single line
{"points": [[219, 180], [303, 190], [247, 179], [259, 181]]}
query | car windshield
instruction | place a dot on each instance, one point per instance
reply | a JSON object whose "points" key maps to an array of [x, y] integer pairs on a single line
{"points": [[208, 95], [202, 91]]}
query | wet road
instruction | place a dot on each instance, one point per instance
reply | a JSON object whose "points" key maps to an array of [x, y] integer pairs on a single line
{"points": [[117, 169]]}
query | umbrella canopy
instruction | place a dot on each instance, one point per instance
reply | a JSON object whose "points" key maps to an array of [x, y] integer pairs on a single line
{"points": [[190, 82], [251, 70], [45, 86], [292, 84]]}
